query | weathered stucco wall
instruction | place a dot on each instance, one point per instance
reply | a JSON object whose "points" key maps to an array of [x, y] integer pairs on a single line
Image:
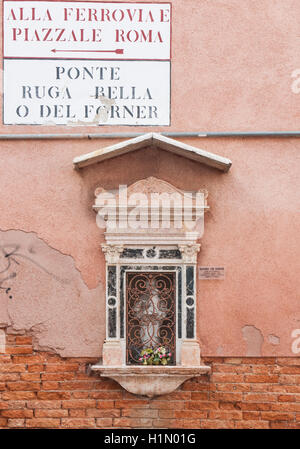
{"points": [[251, 229], [231, 70]]}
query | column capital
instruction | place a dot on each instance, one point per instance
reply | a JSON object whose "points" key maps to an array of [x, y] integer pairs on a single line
{"points": [[189, 252], [112, 252]]}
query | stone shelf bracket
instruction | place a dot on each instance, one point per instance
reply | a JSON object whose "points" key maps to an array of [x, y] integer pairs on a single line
{"points": [[150, 380]]}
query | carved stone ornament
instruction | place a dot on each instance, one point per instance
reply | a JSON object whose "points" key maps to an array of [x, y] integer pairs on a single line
{"points": [[112, 252], [146, 250], [189, 252]]}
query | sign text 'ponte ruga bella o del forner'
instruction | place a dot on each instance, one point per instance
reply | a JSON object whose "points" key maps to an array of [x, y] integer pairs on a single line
{"points": [[86, 63]]}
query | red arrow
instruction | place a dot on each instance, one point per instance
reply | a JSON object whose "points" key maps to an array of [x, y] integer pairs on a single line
{"points": [[118, 51]]}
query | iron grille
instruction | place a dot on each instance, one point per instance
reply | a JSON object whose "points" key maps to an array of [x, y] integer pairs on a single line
{"points": [[151, 313]]}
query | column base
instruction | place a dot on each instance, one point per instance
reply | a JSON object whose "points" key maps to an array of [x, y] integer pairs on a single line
{"points": [[112, 354], [190, 353]]}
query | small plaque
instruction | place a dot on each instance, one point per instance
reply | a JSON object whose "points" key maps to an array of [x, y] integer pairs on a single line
{"points": [[207, 273]]}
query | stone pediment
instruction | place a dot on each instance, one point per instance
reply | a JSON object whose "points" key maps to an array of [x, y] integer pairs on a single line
{"points": [[159, 141]]}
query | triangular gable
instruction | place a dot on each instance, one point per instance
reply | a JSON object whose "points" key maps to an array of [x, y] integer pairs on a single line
{"points": [[165, 143]]}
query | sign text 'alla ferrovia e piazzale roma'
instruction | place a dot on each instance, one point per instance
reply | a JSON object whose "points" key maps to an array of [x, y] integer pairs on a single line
{"points": [[86, 63]]}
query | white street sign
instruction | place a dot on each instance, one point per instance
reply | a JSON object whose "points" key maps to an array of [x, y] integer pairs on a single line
{"points": [[80, 63], [86, 92]]}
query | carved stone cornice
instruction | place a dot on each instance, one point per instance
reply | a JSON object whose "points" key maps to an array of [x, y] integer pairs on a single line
{"points": [[112, 252], [189, 252]]}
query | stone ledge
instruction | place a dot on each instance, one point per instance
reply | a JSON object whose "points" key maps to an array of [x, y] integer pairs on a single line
{"points": [[150, 380]]}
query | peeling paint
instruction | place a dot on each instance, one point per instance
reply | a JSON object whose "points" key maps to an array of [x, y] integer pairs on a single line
{"points": [[254, 340], [50, 300]]}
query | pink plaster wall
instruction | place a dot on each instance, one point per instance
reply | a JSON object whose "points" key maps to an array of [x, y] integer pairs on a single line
{"points": [[231, 70], [251, 230]]}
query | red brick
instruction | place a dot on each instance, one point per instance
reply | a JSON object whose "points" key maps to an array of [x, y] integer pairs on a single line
{"points": [[287, 398], [225, 414], [28, 360], [63, 367], [187, 414], [50, 413], [30, 376], [170, 413], [216, 424], [256, 378], [81, 395], [162, 423], [77, 413], [251, 416], [252, 424], [17, 413], [201, 405], [12, 368], [78, 423], [16, 423], [284, 425], [166, 405], [289, 379], [23, 386], [291, 361], [9, 376], [43, 423], [36, 368], [105, 413], [223, 368], [199, 396], [3, 422], [233, 387], [104, 422], [254, 406], [223, 377], [104, 395], [286, 406], [57, 376], [44, 404], [50, 385], [275, 416], [130, 403], [79, 403], [53, 395], [18, 395], [229, 406], [78, 385], [23, 340], [18, 349], [227, 396], [132, 422], [140, 413], [260, 397]]}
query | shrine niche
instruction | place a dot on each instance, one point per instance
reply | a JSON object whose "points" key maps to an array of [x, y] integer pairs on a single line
{"points": [[152, 231], [151, 296]]}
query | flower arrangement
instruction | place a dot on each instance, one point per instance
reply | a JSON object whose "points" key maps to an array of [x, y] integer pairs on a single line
{"points": [[157, 356]]}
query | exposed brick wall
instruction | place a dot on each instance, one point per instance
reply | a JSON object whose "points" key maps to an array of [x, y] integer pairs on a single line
{"points": [[43, 390]]}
